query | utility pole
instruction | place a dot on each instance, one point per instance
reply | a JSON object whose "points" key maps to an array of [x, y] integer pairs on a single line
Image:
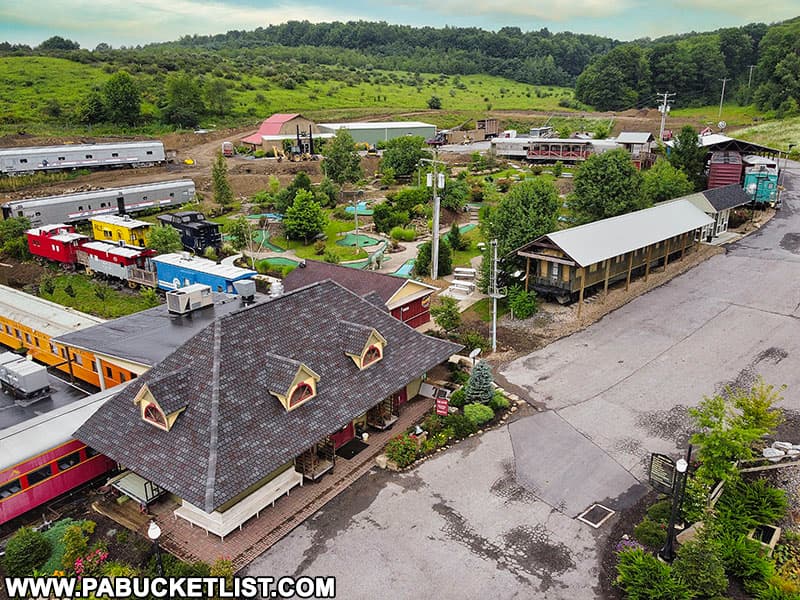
{"points": [[750, 77], [435, 183], [663, 109], [722, 96], [494, 293]]}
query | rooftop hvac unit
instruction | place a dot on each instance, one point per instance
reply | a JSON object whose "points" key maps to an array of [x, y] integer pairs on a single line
{"points": [[25, 380], [185, 300], [246, 288], [276, 289]]}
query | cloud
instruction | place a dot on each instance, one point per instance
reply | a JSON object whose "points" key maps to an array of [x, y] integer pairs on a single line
{"points": [[552, 10], [139, 21], [746, 9]]}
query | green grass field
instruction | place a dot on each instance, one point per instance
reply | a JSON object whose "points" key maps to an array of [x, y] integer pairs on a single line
{"points": [[775, 134], [87, 297], [332, 231], [733, 115], [463, 258], [31, 88]]}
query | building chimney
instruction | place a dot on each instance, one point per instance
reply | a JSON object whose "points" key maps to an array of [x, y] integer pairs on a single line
{"points": [[121, 206]]}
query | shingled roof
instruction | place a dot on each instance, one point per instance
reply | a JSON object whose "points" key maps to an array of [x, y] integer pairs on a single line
{"points": [[356, 280], [233, 432], [727, 196]]}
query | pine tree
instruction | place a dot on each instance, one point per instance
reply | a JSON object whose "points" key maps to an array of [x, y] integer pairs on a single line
{"points": [[223, 194], [454, 237], [479, 387]]}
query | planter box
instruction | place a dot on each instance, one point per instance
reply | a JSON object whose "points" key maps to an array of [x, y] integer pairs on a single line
{"points": [[766, 535]]}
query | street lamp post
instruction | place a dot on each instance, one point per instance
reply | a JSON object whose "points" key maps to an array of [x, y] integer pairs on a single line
{"points": [[667, 553], [154, 532]]}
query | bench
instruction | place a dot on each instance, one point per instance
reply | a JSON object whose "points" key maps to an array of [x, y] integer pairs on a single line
{"points": [[464, 272], [463, 286]]}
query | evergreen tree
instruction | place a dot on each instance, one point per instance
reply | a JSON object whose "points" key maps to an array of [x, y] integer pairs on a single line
{"points": [[121, 99], [454, 237], [479, 387], [223, 194], [422, 264], [304, 218], [342, 163]]}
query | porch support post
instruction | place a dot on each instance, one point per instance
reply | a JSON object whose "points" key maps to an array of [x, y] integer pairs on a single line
{"points": [[580, 295], [630, 268], [605, 285], [666, 255], [684, 237], [527, 271], [647, 264]]}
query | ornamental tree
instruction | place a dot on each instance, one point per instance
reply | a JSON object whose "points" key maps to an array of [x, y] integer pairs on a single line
{"points": [[446, 313], [479, 387]]}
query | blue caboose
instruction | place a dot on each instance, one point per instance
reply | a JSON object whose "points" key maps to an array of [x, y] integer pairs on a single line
{"points": [[179, 270]]}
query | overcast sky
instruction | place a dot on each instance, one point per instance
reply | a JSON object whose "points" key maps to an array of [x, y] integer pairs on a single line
{"points": [[131, 22]]}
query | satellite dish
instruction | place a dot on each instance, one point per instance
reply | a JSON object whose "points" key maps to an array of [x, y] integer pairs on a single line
{"points": [[722, 124], [474, 354]]}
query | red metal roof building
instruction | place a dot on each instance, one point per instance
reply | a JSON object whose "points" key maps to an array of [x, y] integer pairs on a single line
{"points": [[281, 124], [55, 242]]}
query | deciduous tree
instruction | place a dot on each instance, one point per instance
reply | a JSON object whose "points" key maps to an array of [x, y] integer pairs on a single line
{"points": [[688, 156], [164, 239], [184, 106], [342, 163], [446, 313], [403, 154], [664, 182], [527, 211], [606, 185], [121, 99]]}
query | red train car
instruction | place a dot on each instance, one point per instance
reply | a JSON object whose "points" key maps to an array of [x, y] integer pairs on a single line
{"points": [[55, 242], [40, 459]]}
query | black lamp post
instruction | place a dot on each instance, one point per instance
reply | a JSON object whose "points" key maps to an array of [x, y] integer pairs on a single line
{"points": [[667, 553], [154, 532]]}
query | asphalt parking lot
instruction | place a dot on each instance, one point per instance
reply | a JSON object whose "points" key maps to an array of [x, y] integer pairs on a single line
{"points": [[494, 516]]}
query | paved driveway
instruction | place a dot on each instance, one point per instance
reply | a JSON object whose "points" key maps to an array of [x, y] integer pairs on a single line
{"points": [[494, 516]]}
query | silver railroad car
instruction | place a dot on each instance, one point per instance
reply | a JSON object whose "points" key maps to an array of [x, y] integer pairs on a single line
{"points": [[18, 161], [73, 208]]}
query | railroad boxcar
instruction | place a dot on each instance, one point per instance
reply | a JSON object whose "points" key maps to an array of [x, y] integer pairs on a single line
{"points": [[120, 228], [75, 208], [58, 242], [177, 270], [15, 161], [197, 233]]}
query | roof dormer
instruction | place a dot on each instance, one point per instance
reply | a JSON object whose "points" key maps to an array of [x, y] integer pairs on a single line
{"points": [[290, 381], [363, 344], [163, 413]]}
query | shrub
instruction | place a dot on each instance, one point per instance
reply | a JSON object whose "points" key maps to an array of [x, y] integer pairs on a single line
{"points": [[660, 511], [558, 168], [260, 153], [462, 426], [331, 257], [744, 505], [26, 550], [446, 313], [478, 413], [695, 501], [458, 398], [498, 401], [650, 533], [55, 535], [432, 424], [473, 339], [319, 248], [522, 303], [745, 558], [402, 450], [114, 569], [402, 234], [776, 592], [700, 568], [643, 577], [75, 545], [459, 377]]}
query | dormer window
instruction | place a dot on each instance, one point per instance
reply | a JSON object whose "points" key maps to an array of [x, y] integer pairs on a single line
{"points": [[301, 393], [153, 414], [372, 355]]}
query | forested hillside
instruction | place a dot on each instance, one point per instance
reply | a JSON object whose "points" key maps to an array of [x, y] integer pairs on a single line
{"points": [[243, 73]]}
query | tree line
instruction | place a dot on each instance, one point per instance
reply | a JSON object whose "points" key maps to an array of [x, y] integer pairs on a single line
{"points": [[761, 62]]}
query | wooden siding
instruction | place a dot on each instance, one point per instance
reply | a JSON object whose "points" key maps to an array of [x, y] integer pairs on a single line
{"points": [[567, 279]]}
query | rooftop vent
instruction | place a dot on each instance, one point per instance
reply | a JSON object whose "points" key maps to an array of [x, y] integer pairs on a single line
{"points": [[276, 289]]}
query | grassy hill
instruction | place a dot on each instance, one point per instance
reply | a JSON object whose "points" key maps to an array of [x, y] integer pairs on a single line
{"points": [[775, 134], [40, 95]]}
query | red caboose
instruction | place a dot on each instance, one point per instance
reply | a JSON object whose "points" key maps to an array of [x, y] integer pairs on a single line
{"points": [[55, 242]]}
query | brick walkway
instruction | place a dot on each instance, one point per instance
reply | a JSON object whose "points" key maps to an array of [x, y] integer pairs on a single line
{"points": [[258, 534]]}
